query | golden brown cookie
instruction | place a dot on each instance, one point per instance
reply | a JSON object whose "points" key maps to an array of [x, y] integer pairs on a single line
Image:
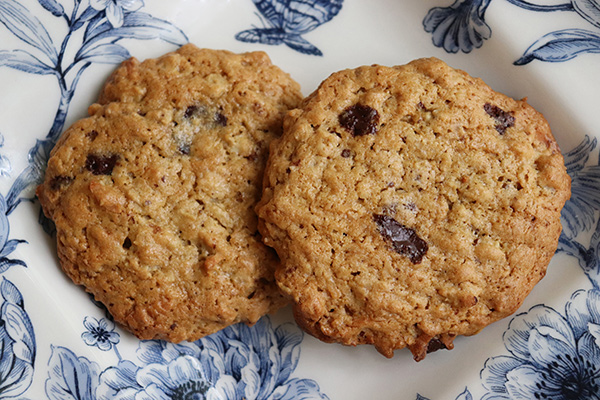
{"points": [[153, 195], [410, 205]]}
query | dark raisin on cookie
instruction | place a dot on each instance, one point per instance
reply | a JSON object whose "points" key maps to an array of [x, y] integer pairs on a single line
{"points": [[101, 165], [504, 119], [360, 120], [404, 240]]}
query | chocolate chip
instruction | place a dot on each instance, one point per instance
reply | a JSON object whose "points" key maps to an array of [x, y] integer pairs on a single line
{"points": [[435, 344], [504, 120], [220, 119], [59, 181], [101, 165], [190, 111], [360, 120], [127, 243], [404, 240], [346, 153]]}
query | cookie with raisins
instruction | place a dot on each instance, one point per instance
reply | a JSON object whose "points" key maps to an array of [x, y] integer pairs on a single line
{"points": [[409, 205], [153, 194]]}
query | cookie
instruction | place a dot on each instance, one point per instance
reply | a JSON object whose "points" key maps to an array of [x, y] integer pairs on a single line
{"points": [[153, 194], [409, 205]]}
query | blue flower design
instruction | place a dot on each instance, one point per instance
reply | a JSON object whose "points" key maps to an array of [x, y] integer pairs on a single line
{"points": [[7, 246], [115, 9], [94, 30], [236, 363], [286, 21], [17, 343], [460, 27], [552, 356], [99, 333]]}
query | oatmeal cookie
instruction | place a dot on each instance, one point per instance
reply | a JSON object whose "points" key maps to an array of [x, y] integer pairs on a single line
{"points": [[409, 205], [153, 194]]}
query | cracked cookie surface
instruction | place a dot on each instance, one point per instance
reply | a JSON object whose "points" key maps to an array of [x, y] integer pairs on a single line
{"points": [[409, 205], [153, 194]]}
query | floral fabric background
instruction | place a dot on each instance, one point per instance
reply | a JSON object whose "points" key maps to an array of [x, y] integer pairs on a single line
{"points": [[549, 350]]}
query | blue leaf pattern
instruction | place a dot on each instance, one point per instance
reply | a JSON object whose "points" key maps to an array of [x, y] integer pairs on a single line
{"points": [[17, 343], [462, 27], [561, 46], [588, 9], [24, 61], [107, 53], [27, 27], [71, 377], [53, 6], [140, 26]]}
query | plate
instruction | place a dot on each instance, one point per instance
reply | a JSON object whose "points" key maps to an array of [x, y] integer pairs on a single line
{"points": [[55, 343]]}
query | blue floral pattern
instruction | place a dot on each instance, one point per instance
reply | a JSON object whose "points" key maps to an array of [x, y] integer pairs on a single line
{"points": [[100, 333], [551, 353], [285, 21], [17, 343], [239, 362], [462, 27]]}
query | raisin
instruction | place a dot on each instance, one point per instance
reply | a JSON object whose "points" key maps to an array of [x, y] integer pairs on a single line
{"points": [[404, 240], [127, 243], [101, 165], [220, 119], [360, 120], [504, 120]]}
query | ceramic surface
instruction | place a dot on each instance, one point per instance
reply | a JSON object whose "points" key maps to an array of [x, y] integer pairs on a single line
{"points": [[56, 343]]}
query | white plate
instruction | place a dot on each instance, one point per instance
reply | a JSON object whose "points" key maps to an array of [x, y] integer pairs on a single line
{"points": [[55, 343]]}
